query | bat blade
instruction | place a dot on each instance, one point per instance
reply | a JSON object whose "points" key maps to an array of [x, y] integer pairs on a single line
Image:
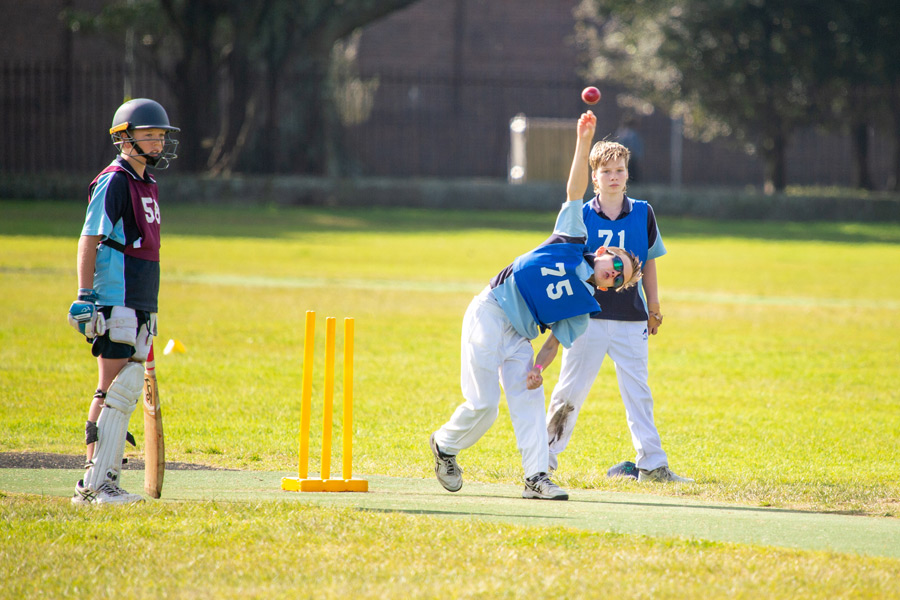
{"points": [[154, 442]]}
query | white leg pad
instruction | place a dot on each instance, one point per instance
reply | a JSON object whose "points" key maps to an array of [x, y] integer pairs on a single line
{"points": [[121, 399]]}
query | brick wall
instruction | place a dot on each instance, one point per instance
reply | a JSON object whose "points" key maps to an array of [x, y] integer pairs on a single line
{"points": [[501, 38], [33, 31]]}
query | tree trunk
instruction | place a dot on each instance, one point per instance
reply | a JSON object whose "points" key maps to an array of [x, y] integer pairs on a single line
{"points": [[774, 152], [895, 183], [236, 117], [860, 135], [895, 113], [192, 78], [241, 96], [197, 126], [310, 153]]}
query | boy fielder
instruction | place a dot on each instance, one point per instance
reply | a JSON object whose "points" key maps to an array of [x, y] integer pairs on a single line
{"points": [[621, 330], [118, 281], [549, 287]]}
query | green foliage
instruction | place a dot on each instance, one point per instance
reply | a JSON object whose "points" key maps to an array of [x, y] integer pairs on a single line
{"points": [[228, 65], [753, 71]]}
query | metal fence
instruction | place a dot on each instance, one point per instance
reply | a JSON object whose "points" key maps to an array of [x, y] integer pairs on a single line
{"points": [[55, 118], [441, 126]]}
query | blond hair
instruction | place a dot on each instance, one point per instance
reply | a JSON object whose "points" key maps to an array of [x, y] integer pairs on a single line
{"points": [[604, 152]]}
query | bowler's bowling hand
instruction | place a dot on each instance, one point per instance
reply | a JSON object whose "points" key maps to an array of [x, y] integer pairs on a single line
{"points": [[534, 379]]}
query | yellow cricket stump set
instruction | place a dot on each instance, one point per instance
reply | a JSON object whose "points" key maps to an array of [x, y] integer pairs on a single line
{"points": [[302, 483]]}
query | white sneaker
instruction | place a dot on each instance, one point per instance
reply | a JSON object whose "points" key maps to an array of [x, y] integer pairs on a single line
{"points": [[541, 488], [107, 493], [663, 474], [445, 468], [110, 493], [128, 497], [82, 495]]}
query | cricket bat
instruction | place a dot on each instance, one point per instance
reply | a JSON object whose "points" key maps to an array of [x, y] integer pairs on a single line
{"points": [[154, 444]]}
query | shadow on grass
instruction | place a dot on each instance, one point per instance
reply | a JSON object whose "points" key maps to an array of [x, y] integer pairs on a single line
{"points": [[783, 231], [632, 504], [723, 507], [459, 513], [64, 219]]}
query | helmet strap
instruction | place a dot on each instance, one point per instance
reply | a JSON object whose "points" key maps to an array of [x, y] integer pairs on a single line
{"points": [[149, 159], [154, 162]]}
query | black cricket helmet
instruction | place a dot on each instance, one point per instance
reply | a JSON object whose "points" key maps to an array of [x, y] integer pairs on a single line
{"points": [[143, 113]]}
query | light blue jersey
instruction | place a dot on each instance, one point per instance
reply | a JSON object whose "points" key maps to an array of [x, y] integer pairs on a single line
{"points": [[126, 271], [569, 230]]}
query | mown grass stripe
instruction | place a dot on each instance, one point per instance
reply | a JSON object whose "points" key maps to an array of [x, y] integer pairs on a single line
{"points": [[474, 287]]}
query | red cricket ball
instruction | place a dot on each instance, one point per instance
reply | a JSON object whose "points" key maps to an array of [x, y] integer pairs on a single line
{"points": [[590, 95]]}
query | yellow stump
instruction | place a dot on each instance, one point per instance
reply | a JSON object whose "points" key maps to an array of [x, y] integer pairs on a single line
{"points": [[309, 342], [325, 483], [348, 484], [328, 407], [347, 435]]}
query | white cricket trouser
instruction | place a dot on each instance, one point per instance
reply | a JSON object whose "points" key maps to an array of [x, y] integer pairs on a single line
{"points": [[626, 344], [493, 353]]}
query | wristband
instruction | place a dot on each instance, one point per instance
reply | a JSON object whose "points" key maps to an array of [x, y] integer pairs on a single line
{"points": [[539, 368], [87, 295]]}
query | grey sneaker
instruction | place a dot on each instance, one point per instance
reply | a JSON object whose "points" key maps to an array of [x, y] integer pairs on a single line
{"points": [[445, 468], [664, 474], [541, 488]]}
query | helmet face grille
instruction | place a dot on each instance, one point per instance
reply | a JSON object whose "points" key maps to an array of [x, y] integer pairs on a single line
{"points": [[143, 113], [158, 161]]}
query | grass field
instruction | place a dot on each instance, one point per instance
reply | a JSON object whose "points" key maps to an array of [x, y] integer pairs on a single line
{"points": [[774, 377]]}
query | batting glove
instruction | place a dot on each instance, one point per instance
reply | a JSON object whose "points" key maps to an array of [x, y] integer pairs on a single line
{"points": [[84, 316]]}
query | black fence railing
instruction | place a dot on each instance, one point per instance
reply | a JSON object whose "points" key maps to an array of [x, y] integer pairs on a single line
{"points": [[54, 118]]}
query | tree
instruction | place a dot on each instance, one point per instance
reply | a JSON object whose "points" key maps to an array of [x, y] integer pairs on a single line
{"points": [[850, 91], [738, 68], [236, 68], [865, 77]]}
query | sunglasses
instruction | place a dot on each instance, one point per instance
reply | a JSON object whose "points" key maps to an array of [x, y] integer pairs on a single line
{"points": [[618, 266]]}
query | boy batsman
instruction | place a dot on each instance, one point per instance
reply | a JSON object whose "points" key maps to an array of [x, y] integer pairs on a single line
{"points": [[118, 289]]}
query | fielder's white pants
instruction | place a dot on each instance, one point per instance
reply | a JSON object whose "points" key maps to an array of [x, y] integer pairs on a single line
{"points": [[493, 353], [626, 344]]}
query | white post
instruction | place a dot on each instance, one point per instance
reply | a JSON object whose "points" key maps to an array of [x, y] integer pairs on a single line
{"points": [[518, 126]]}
